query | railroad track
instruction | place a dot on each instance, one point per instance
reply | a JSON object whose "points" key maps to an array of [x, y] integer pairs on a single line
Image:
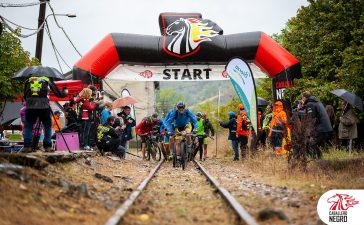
{"points": [[241, 214]]}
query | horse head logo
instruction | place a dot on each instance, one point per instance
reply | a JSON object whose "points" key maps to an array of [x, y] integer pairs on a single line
{"points": [[342, 202], [187, 36]]}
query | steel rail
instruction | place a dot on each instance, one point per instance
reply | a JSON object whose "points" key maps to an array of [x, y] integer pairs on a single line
{"points": [[120, 212], [243, 214]]}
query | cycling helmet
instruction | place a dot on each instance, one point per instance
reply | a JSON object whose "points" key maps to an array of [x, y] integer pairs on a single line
{"points": [[148, 119], [155, 115], [181, 105], [198, 114]]}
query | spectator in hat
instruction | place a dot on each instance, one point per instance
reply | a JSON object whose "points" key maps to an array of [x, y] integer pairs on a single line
{"points": [[243, 130], [231, 125], [56, 121], [278, 127]]}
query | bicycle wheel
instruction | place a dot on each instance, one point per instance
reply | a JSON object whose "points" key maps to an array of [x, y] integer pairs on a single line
{"points": [[149, 149], [183, 155], [174, 155], [191, 152], [163, 151], [157, 151]]}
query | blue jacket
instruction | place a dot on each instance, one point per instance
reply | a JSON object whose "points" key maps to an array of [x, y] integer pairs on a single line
{"points": [[231, 124], [104, 115], [180, 120]]}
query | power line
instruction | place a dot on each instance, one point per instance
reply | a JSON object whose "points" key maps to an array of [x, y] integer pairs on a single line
{"points": [[26, 28], [20, 5], [109, 86], [55, 19], [54, 46], [55, 53], [14, 30]]}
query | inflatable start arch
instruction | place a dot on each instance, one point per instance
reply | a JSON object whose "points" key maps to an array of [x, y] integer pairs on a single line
{"points": [[189, 48]]}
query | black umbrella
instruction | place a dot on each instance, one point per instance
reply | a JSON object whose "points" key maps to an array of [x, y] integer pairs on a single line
{"points": [[262, 102], [38, 71], [349, 97]]}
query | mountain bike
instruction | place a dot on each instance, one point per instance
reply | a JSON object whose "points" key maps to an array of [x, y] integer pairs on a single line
{"points": [[152, 146], [185, 152]]}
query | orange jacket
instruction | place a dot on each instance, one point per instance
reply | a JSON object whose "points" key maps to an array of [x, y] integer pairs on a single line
{"points": [[243, 125], [279, 115], [54, 125]]}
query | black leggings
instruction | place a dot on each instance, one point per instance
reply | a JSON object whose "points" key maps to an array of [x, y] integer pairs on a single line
{"points": [[200, 147]]}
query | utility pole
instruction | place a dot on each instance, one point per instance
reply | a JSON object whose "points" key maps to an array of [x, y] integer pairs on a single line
{"points": [[41, 18]]}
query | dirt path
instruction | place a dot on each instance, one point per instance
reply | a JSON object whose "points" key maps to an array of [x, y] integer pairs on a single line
{"points": [[255, 195], [181, 197], [69, 193]]}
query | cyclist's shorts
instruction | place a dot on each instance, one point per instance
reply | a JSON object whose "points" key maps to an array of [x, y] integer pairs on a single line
{"points": [[205, 141], [187, 128], [166, 139]]}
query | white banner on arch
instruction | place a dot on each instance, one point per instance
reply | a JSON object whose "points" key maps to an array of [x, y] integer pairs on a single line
{"points": [[173, 73]]}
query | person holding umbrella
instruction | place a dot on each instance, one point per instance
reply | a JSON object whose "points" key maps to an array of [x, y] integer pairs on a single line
{"points": [[347, 127], [348, 120], [36, 92]]}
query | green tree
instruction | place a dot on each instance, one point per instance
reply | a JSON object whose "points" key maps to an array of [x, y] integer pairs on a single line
{"points": [[166, 99], [327, 37], [12, 58]]}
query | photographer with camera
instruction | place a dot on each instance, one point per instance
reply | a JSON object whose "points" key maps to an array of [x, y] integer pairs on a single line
{"points": [[36, 93], [108, 137]]}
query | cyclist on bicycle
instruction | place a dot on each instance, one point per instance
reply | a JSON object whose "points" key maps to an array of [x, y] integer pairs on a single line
{"points": [[157, 124], [181, 118], [144, 128]]}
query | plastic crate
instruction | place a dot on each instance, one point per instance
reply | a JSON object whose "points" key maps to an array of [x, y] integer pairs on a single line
{"points": [[71, 139]]}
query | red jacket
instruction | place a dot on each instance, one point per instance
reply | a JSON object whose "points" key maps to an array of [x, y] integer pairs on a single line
{"points": [[144, 128], [86, 107], [243, 125]]}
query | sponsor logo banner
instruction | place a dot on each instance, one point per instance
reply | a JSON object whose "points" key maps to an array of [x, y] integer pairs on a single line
{"points": [[243, 81], [341, 207], [172, 73], [183, 33]]}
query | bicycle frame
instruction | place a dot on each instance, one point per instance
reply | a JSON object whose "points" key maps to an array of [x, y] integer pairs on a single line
{"points": [[152, 146], [184, 153]]}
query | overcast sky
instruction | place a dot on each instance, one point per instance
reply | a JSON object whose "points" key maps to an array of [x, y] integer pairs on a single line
{"points": [[95, 19]]}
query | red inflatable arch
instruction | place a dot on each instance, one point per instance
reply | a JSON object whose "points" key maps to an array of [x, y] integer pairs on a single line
{"points": [[172, 48]]}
